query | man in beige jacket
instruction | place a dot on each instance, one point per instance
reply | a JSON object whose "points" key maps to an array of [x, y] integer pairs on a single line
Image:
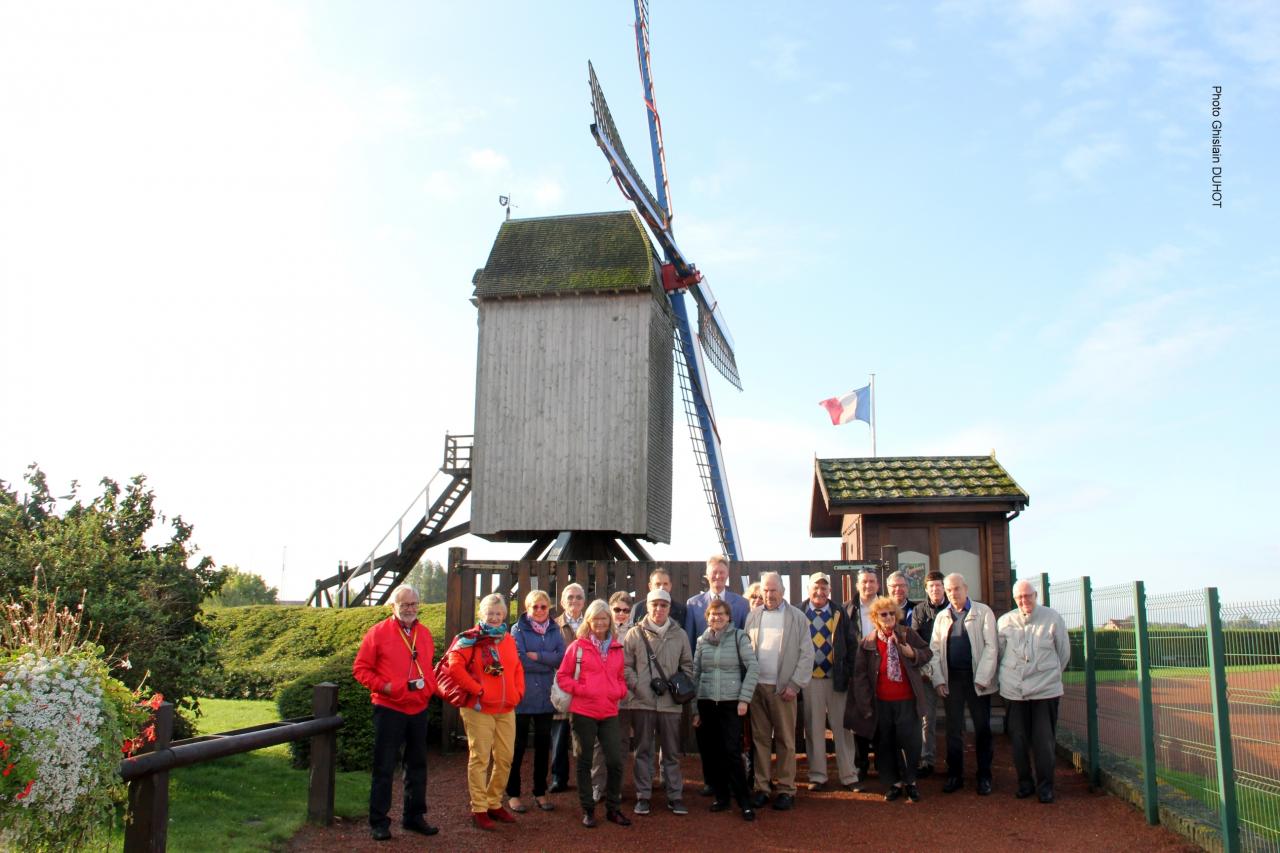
{"points": [[784, 650], [964, 674], [1034, 651]]}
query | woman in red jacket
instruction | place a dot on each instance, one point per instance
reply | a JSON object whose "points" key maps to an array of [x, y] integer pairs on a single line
{"points": [[592, 673], [485, 661]]}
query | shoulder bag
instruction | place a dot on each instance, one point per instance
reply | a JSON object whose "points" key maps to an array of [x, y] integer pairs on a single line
{"points": [[560, 698], [680, 685]]}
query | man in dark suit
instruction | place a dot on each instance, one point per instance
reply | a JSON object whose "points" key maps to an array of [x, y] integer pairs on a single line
{"points": [[717, 588]]}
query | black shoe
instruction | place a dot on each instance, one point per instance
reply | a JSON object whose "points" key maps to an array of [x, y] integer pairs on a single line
{"points": [[855, 787], [783, 802], [953, 784], [748, 814], [706, 791], [617, 817], [893, 793], [380, 833], [1023, 793], [984, 787], [589, 818], [759, 799], [421, 827], [824, 785], [1046, 797], [924, 771], [720, 806], [913, 793]]}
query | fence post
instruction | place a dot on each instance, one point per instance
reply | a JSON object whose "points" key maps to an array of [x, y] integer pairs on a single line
{"points": [[147, 828], [1142, 648], [324, 754], [1044, 587], [1222, 723], [1090, 682]]}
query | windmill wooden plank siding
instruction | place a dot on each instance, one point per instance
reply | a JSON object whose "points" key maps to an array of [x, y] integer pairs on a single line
{"points": [[573, 400]]}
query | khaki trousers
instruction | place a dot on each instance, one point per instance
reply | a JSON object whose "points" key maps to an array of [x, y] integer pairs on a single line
{"points": [[491, 738], [773, 719], [823, 703]]}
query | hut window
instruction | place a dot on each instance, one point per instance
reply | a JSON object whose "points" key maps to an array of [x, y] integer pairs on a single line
{"points": [[959, 551], [913, 556]]}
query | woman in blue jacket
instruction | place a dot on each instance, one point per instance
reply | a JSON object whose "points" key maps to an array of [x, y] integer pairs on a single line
{"points": [[541, 648]]}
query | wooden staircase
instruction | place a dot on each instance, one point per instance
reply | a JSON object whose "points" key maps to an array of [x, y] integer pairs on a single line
{"points": [[390, 569]]}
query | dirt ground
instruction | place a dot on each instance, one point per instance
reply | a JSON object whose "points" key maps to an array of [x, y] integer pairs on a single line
{"points": [[1079, 820]]}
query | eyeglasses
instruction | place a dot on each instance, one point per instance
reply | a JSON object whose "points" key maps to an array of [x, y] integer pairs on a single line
{"points": [[575, 597], [539, 607], [622, 610]]}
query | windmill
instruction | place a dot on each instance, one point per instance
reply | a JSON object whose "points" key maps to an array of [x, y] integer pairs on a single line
{"points": [[679, 276]]}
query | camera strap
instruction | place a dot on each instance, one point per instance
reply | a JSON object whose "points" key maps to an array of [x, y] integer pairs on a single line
{"points": [[653, 660], [412, 647]]}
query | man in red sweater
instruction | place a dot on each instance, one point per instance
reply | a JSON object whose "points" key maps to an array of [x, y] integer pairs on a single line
{"points": [[394, 662]]}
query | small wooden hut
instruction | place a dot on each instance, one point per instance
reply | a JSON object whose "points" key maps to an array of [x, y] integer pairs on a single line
{"points": [[949, 513]]}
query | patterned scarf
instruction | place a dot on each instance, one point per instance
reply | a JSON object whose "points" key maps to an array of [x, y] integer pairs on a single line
{"points": [[540, 628], [602, 646], [895, 663]]}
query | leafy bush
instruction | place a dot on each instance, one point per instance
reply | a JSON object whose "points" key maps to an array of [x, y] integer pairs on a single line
{"points": [[261, 648], [355, 738], [145, 598]]}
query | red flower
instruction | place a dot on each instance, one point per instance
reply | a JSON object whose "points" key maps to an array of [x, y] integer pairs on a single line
{"points": [[26, 790], [149, 733], [154, 704], [7, 770], [126, 747]]}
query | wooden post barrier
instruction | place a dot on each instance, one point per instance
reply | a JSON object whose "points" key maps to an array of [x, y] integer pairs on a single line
{"points": [[324, 755], [147, 829]]}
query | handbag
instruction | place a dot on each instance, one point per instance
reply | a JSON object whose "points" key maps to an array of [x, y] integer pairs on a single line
{"points": [[680, 685], [560, 698], [447, 686]]}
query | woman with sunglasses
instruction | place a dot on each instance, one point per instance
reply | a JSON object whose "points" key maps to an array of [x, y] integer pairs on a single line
{"points": [[889, 697], [485, 661], [541, 648]]}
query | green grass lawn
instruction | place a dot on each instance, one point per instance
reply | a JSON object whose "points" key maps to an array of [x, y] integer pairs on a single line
{"points": [[254, 801], [1076, 676]]}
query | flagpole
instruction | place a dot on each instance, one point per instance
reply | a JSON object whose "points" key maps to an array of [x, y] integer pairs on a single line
{"points": [[873, 415]]}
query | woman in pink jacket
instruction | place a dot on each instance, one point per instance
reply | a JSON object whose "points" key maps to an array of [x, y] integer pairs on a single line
{"points": [[592, 673]]}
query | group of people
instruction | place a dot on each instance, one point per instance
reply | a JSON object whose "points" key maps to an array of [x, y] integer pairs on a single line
{"points": [[872, 671]]}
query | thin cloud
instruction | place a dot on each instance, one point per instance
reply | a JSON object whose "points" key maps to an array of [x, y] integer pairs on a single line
{"points": [[487, 161]]}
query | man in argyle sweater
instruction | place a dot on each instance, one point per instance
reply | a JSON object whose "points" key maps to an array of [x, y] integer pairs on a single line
{"points": [[824, 697]]}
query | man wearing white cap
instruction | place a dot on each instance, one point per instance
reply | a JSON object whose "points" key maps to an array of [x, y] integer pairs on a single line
{"points": [[655, 649], [824, 695]]}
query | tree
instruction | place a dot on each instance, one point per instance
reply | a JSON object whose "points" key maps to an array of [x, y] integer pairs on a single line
{"points": [[428, 578], [145, 599], [237, 589]]}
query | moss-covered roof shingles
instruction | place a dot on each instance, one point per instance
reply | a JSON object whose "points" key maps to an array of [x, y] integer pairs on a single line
{"points": [[911, 479]]}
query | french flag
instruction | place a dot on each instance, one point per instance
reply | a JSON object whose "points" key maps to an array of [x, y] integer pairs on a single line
{"points": [[854, 406]]}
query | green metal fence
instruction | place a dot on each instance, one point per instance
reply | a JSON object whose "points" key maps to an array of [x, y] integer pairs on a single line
{"points": [[1178, 696]]}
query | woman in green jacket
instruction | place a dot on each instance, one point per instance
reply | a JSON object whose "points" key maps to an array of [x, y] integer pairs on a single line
{"points": [[725, 671]]}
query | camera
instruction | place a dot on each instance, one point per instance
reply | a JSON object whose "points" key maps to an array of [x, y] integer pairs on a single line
{"points": [[417, 683], [658, 686]]}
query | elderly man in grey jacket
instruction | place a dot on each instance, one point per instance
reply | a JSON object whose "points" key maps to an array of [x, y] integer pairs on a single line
{"points": [[780, 635], [964, 664], [1034, 651]]}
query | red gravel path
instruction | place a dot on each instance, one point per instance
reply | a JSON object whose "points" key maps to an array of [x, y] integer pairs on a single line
{"points": [[1080, 820]]}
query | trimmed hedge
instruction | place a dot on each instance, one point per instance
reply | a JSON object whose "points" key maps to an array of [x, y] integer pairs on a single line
{"points": [[262, 648], [271, 651]]}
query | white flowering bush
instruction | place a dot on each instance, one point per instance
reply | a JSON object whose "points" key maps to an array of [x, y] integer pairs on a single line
{"points": [[65, 723]]}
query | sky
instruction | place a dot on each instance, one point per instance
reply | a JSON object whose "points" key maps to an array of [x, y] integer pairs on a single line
{"points": [[237, 242]]}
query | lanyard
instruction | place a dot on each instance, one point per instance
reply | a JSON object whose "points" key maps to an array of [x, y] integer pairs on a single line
{"points": [[412, 647]]}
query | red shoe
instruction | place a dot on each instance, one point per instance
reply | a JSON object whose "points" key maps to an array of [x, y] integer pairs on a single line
{"points": [[482, 821], [501, 815]]}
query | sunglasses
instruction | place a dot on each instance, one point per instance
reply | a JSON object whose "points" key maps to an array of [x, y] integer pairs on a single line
{"points": [[540, 606], [622, 610]]}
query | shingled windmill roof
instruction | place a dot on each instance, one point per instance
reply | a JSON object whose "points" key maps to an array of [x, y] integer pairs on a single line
{"points": [[582, 253], [917, 479]]}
